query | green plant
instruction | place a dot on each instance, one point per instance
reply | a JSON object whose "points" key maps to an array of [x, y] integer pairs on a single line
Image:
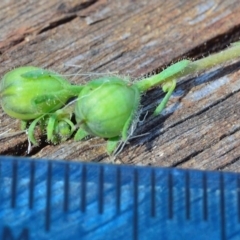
{"points": [[34, 95], [105, 107]]}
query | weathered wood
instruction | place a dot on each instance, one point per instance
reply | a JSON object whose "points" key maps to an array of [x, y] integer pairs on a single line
{"points": [[199, 128]]}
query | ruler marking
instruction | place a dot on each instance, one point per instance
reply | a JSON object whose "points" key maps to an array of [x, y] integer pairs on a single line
{"points": [[101, 190], [222, 207], [118, 190], [14, 184], [205, 197], [153, 194], [187, 196], [135, 205], [66, 188], [31, 184], [83, 189], [238, 197], [0, 182], [48, 195], [170, 195], [8, 234]]}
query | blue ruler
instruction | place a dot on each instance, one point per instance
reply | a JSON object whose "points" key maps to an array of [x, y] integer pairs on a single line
{"points": [[43, 199]]}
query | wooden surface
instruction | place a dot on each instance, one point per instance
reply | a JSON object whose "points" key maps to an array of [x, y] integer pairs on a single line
{"points": [[200, 127]]}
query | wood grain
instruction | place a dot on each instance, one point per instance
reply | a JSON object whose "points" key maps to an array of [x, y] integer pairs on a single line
{"points": [[199, 128]]}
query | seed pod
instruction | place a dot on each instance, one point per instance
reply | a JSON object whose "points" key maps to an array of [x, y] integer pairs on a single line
{"points": [[106, 107], [29, 92]]}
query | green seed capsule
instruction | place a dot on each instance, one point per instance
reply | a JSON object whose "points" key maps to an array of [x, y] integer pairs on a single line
{"points": [[29, 92], [106, 105]]}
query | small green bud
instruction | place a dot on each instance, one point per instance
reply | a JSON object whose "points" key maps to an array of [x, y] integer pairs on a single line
{"points": [[29, 92], [63, 130], [106, 105]]}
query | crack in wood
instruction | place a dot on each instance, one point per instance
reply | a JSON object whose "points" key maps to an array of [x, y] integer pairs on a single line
{"points": [[145, 34], [81, 6], [224, 166], [110, 60], [58, 22], [70, 15], [20, 149], [215, 44], [78, 7], [186, 159], [156, 131]]}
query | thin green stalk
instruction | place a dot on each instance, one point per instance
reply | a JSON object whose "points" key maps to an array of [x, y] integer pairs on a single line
{"points": [[215, 59], [186, 67]]}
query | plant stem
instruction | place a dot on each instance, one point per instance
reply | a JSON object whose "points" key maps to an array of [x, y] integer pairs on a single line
{"points": [[218, 58], [205, 63]]}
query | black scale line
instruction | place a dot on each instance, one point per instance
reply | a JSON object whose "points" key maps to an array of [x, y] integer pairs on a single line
{"points": [[101, 190], [83, 188], [49, 196], [187, 196], [0, 179], [170, 195], [222, 207], [238, 197], [118, 190], [205, 197], [153, 194], [66, 189], [31, 185], [14, 183], [135, 205], [7, 234]]}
